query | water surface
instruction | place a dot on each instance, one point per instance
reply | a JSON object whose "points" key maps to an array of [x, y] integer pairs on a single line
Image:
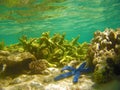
{"points": [[73, 17]]}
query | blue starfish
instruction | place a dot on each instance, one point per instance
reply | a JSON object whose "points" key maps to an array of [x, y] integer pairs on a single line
{"points": [[73, 71]]}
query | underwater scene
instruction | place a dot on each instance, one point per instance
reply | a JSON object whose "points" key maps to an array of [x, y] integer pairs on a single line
{"points": [[59, 44]]}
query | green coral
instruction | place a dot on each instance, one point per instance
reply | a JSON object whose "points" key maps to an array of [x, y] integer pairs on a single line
{"points": [[14, 48], [2, 45], [56, 49]]}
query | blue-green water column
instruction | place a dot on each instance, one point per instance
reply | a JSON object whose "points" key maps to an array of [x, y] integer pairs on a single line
{"points": [[74, 17]]}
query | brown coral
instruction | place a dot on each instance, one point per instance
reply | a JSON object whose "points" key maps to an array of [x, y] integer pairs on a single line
{"points": [[104, 54], [38, 66]]}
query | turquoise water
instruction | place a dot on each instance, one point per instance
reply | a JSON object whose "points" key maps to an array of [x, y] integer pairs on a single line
{"points": [[74, 17]]}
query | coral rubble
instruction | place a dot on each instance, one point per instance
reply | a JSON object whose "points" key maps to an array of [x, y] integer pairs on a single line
{"points": [[104, 54]]}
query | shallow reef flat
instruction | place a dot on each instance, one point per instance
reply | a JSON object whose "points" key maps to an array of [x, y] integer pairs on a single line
{"points": [[33, 63]]}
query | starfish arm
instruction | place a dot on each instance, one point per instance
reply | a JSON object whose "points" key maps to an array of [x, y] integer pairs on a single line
{"points": [[61, 76], [68, 68], [81, 66], [86, 70], [76, 77]]}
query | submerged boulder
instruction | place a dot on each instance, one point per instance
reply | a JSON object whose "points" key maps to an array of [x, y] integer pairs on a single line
{"points": [[15, 63]]}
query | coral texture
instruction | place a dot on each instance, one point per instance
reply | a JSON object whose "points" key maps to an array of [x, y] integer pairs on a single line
{"points": [[104, 54], [55, 49], [38, 66]]}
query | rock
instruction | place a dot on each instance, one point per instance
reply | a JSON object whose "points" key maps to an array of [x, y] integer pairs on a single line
{"points": [[53, 70], [19, 57], [15, 63], [36, 82], [84, 83], [57, 87], [4, 53], [25, 82], [36, 85]]}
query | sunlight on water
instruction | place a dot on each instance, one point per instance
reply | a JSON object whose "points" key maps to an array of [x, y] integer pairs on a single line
{"points": [[74, 17]]}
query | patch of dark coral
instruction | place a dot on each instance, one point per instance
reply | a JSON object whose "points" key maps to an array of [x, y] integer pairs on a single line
{"points": [[116, 67], [17, 68], [14, 64]]}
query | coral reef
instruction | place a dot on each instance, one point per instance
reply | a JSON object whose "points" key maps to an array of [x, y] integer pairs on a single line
{"points": [[104, 54], [35, 55], [56, 49], [30, 58]]}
